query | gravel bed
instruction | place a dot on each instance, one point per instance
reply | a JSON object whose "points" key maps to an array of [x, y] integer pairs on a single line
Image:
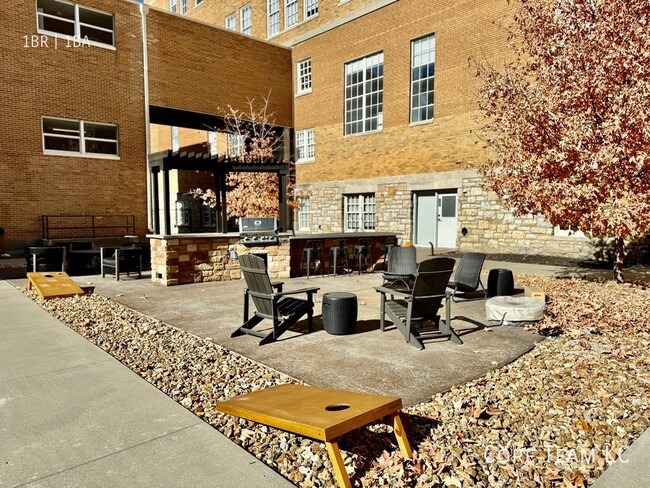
{"points": [[555, 417]]}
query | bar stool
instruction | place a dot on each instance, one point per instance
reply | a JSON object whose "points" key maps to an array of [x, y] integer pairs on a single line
{"points": [[339, 256], [389, 244], [311, 255], [362, 254]]}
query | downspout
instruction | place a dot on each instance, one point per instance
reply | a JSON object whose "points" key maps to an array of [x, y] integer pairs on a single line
{"points": [[144, 10]]}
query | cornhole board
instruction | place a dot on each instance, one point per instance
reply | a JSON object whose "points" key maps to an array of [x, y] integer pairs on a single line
{"points": [[323, 414], [53, 284]]}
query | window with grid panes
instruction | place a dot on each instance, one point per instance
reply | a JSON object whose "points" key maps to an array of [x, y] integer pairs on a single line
{"points": [[65, 136], [173, 6], [74, 21], [305, 145], [304, 213], [246, 19], [359, 212], [364, 94], [304, 76], [273, 11], [311, 8], [423, 57], [183, 7], [290, 13], [231, 22]]}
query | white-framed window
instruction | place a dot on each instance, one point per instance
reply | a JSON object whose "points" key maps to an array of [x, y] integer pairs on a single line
{"points": [[173, 6], [567, 232], [305, 145], [175, 139], [198, 2], [304, 213], [273, 13], [208, 216], [359, 212], [73, 21], [311, 8], [183, 7], [212, 142], [364, 94], [246, 19], [66, 137], [290, 13], [423, 59], [182, 213], [303, 69], [235, 145], [231, 22]]}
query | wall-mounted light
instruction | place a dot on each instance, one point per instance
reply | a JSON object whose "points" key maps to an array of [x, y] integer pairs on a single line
{"points": [[232, 254], [464, 231]]}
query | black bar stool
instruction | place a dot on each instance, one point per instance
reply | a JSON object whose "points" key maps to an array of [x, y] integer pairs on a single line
{"points": [[312, 256], [362, 254], [339, 256]]}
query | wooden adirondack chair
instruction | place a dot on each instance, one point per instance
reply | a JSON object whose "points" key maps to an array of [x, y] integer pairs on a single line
{"points": [[412, 308], [278, 306]]}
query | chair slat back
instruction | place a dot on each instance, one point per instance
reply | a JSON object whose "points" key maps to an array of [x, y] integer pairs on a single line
{"points": [[431, 279], [469, 270], [257, 280], [403, 261]]}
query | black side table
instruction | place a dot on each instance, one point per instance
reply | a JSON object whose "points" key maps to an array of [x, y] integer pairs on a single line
{"points": [[339, 313], [501, 282]]}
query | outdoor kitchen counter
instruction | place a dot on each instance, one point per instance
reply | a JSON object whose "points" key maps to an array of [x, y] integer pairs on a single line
{"points": [[377, 247]]}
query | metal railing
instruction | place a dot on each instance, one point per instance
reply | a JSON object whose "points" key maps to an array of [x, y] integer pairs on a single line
{"points": [[87, 226]]}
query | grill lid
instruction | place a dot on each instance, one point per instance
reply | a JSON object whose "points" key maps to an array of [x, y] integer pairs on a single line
{"points": [[258, 225]]}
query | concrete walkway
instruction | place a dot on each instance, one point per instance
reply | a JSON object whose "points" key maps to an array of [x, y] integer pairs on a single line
{"points": [[632, 470], [71, 415]]}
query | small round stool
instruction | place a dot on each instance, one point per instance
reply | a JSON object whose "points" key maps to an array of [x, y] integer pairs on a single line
{"points": [[339, 313], [501, 282]]}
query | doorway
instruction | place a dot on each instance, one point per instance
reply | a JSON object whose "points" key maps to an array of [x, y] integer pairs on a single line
{"points": [[435, 218]]}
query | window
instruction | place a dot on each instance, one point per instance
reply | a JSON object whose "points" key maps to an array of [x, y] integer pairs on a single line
{"points": [[71, 20], [212, 142], [304, 76], [304, 213], [209, 216], [235, 145], [364, 94], [183, 7], [198, 2], [567, 231], [173, 6], [311, 8], [359, 212], [305, 145], [423, 57], [231, 22], [246, 20], [175, 140], [182, 213], [273, 7], [63, 136], [290, 12]]}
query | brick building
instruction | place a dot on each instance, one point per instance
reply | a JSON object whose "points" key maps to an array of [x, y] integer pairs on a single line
{"points": [[379, 96], [385, 117]]}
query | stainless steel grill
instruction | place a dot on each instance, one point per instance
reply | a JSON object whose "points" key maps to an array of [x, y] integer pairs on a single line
{"points": [[258, 230]]}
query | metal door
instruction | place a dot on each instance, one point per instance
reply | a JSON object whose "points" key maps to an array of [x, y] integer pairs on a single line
{"points": [[447, 221]]}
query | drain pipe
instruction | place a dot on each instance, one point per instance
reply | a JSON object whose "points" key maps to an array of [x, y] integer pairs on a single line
{"points": [[144, 10]]}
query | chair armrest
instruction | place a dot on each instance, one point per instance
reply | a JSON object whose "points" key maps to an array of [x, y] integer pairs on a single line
{"points": [[277, 285], [390, 291], [107, 249], [296, 292]]}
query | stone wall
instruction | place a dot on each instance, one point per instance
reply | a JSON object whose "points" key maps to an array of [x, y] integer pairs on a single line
{"points": [[492, 228], [179, 260]]}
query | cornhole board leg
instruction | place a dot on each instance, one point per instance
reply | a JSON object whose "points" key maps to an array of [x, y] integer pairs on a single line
{"points": [[337, 461], [53, 284], [400, 435]]}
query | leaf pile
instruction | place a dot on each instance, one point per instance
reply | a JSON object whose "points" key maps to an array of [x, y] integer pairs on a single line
{"points": [[555, 417]]}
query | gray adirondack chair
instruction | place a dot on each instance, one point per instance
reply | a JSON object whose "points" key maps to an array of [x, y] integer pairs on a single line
{"points": [[411, 309], [467, 278], [270, 303]]}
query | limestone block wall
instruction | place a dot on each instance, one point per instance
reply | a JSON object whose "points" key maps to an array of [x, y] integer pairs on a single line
{"points": [[494, 229], [179, 260]]}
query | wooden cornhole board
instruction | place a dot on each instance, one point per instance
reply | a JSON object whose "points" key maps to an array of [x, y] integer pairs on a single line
{"points": [[53, 284], [319, 413]]}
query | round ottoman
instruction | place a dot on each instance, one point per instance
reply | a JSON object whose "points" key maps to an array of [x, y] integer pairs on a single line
{"points": [[500, 282], [339, 313], [514, 309]]}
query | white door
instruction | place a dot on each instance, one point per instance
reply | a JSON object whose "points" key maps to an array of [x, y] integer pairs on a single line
{"points": [[447, 221], [425, 219]]}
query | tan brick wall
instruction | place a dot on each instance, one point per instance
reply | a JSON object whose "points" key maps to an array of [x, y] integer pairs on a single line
{"points": [[196, 67], [83, 83]]}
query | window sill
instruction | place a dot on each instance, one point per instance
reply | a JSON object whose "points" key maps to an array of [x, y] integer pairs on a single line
{"points": [[68, 42], [70, 154], [422, 122], [306, 161], [303, 93], [312, 17], [360, 134]]}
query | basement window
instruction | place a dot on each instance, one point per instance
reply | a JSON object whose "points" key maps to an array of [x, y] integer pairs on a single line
{"points": [[74, 22], [66, 137]]}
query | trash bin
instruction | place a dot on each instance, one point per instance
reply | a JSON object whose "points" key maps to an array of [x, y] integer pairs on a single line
{"points": [[501, 282], [339, 313]]}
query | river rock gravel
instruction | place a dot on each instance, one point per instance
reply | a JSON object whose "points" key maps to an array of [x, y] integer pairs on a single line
{"points": [[557, 416]]}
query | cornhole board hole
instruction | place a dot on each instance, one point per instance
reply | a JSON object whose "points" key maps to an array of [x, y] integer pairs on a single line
{"points": [[323, 414], [53, 284]]}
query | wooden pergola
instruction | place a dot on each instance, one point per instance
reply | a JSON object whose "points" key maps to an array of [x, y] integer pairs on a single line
{"points": [[220, 166]]}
